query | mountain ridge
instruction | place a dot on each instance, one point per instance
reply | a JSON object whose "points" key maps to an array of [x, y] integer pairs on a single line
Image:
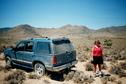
{"points": [[25, 30]]}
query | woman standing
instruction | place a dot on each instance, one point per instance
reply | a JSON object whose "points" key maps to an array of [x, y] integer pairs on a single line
{"points": [[97, 57]]}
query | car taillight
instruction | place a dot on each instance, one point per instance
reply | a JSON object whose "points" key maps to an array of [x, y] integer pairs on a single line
{"points": [[54, 59]]}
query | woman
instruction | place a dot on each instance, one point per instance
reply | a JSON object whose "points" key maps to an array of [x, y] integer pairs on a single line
{"points": [[97, 57]]}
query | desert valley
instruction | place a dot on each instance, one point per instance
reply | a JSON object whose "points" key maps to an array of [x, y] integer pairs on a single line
{"points": [[112, 38]]}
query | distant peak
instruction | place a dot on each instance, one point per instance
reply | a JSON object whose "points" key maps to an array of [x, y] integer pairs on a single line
{"points": [[24, 26], [69, 26]]}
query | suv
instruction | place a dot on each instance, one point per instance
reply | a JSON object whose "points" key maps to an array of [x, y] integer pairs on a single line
{"points": [[42, 54]]}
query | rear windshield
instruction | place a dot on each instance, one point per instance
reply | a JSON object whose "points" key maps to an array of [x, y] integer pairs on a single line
{"points": [[63, 46]]}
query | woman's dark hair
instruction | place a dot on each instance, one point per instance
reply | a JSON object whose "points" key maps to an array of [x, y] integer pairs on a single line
{"points": [[97, 42]]}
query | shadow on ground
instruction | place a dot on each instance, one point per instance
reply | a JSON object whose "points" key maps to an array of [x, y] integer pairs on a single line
{"points": [[57, 76]]}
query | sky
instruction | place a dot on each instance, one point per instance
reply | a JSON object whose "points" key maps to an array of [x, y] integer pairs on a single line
{"points": [[94, 14]]}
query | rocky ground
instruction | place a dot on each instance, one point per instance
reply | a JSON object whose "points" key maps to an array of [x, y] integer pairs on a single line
{"points": [[114, 64], [81, 74]]}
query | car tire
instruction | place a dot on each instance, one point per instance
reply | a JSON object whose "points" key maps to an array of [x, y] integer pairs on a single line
{"points": [[39, 69], [8, 62]]}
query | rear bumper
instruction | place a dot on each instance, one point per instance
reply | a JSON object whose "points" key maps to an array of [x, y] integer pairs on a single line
{"points": [[62, 67]]}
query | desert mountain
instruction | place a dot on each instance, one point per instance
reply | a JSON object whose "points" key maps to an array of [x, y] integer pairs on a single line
{"points": [[20, 31], [64, 30], [113, 31], [25, 30], [76, 29]]}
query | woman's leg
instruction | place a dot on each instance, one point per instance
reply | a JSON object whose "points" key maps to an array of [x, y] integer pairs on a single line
{"points": [[95, 68], [100, 63], [99, 66]]}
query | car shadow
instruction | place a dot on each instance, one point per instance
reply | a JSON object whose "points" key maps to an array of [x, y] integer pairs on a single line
{"points": [[57, 76], [22, 68]]}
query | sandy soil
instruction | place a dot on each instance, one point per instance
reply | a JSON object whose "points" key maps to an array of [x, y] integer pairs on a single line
{"points": [[80, 66]]}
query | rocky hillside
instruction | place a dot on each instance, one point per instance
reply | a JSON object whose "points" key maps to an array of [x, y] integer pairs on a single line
{"points": [[114, 31], [64, 30], [17, 32], [75, 29]]}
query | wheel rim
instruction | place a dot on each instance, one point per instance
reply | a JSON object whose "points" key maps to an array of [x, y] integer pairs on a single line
{"points": [[39, 69]]}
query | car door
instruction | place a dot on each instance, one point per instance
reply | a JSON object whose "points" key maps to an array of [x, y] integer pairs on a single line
{"points": [[19, 52], [28, 54]]}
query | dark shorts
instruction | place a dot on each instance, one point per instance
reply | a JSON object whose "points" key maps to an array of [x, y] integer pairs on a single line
{"points": [[97, 60]]}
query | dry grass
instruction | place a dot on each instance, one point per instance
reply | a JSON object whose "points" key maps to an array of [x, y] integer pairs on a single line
{"points": [[104, 66], [78, 77], [33, 76], [111, 79], [123, 65], [89, 67], [5, 68], [1, 68], [118, 69], [46, 81], [16, 77], [115, 69]]}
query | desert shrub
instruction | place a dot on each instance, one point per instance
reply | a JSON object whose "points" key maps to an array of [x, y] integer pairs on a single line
{"points": [[122, 55], [123, 65], [113, 61], [1, 68], [104, 66], [112, 78], [115, 69], [122, 73], [16, 77], [33, 76], [107, 43], [114, 54], [119, 82], [79, 77], [118, 70], [7, 68], [116, 57], [82, 57], [87, 49], [89, 67], [76, 76], [69, 76], [83, 53], [105, 79]]}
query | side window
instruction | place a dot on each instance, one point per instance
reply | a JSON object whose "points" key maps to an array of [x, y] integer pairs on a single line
{"points": [[20, 46], [43, 48], [29, 46]]}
